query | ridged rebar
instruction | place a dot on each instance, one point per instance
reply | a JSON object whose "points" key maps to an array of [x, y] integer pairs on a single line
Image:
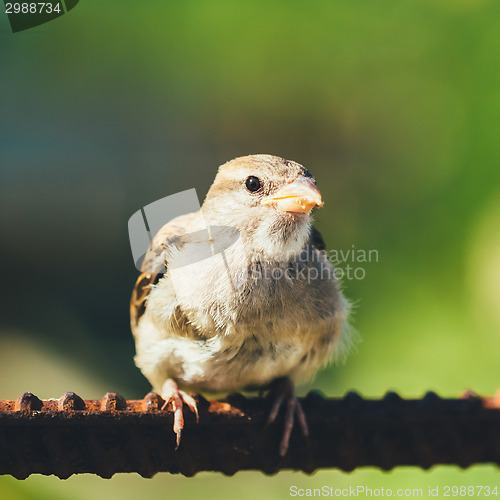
{"points": [[71, 436]]}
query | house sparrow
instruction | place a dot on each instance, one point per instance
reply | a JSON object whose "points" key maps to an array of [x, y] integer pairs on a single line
{"points": [[240, 295]]}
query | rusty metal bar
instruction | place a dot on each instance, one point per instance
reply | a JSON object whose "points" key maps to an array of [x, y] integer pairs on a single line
{"points": [[71, 436]]}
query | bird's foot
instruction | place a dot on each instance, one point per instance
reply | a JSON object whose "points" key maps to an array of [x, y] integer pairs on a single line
{"points": [[284, 392], [170, 392]]}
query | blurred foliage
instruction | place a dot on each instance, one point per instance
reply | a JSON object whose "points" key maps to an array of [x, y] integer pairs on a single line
{"points": [[394, 106]]}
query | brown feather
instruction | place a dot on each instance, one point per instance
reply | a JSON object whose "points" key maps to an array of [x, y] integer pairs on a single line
{"points": [[140, 294], [154, 265]]}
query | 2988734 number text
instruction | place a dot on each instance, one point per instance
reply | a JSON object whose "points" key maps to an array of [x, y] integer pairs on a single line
{"points": [[32, 7]]}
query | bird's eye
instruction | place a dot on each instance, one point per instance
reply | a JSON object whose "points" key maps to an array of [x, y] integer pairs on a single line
{"points": [[253, 184]]}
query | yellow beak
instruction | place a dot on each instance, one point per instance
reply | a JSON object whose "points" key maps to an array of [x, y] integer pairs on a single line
{"points": [[300, 196]]}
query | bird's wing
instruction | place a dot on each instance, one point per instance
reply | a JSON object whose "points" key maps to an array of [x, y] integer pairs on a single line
{"points": [[316, 240], [154, 265]]}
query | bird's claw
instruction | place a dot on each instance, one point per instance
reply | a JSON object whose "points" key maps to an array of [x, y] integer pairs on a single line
{"points": [[284, 390], [171, 393]]}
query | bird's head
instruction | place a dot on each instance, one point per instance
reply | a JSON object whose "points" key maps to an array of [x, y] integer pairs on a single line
{"points": [[268, 200]]}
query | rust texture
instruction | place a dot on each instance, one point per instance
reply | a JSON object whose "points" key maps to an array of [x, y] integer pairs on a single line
{"points": [[71, 436]]}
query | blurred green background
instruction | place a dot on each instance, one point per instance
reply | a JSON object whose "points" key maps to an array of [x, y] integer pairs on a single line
{"points": [[395, 108]]}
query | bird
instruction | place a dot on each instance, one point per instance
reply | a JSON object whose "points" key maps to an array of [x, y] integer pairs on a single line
{"points": [[241, 295]]}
